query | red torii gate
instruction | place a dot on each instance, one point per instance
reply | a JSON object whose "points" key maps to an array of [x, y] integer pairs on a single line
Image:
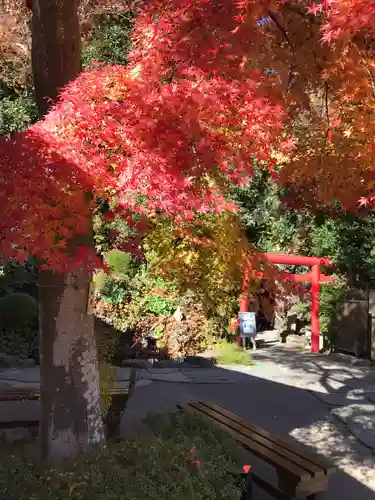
{"points": [[315, 277]]}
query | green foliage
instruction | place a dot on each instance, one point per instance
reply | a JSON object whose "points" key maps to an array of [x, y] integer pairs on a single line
{"points": [[350, 241], [228, 353], [134, 295], [15, 277], [17, 311], [160, 306], [182, 458], [16, 113], [268, 224], [18, 322], [205, 257], [121, 264], [303, 310], [116, 287], [114, 291], [329, 296], [109, 41]]}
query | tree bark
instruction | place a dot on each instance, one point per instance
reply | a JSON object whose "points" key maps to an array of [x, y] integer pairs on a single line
{"points": [[70, 398], [56, 48]]}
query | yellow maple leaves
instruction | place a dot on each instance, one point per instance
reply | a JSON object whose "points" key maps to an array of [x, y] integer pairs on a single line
{"points": [[207, 256]]}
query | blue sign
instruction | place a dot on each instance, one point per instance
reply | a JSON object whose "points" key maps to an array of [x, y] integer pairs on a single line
{"points": [[247, 323]]}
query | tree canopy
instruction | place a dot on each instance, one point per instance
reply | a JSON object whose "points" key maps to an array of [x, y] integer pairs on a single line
{"points": [[209, 87]]}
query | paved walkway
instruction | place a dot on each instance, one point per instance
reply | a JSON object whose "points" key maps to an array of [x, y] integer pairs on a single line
{"points": [[325, 402]]}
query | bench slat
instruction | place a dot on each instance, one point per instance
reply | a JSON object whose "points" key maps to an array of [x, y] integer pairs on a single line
{"points": [[293, 447], [34, 394], [112, 419], [28, 424], [257, 449], [298, 460], [27, 394]]}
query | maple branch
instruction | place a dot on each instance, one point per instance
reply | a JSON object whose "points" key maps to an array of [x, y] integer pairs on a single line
{"points": [[298, 11], [128, 4], [281, 28], [326, 100], [286, 36]]}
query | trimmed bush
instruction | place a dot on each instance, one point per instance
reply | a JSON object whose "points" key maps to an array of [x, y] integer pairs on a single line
{"points": [[181, 457], [227, 353], [17, 311], [18, 322]]}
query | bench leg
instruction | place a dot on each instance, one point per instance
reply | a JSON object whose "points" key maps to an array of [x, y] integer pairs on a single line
{"points": [[287, 484], [114, 414]]}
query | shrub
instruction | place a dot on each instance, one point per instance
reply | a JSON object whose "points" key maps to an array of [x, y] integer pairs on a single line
{"points": [[122, 264], [109, 41], [227, 353], [17, 311], [329, 297], [100, 279], [18, 323], [117, 286], [161, 306], [16, 113], [181, 457]]}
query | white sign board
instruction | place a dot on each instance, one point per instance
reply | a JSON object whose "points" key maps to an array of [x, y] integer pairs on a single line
{"points": [[247, 323]]}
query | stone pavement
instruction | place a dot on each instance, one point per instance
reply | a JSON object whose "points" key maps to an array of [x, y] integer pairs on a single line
{"points": [[326, 402]]}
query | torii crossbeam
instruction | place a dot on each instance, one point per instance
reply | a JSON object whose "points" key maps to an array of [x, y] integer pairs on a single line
{"points": [[315, 277]]}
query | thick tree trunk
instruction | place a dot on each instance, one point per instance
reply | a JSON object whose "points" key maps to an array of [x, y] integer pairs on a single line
{"points": [[70, 400], [56, 48], [71, 418]]}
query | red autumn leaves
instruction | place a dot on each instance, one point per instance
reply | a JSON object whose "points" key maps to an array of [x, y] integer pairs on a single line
{"points": [[192, 107], [123, 134]]}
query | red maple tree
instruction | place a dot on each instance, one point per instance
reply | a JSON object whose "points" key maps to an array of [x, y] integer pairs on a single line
{"points": [[122, 133], [195, 104]]}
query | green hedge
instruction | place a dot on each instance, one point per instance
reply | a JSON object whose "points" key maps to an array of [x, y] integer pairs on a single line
{"points": [[18, 311], [18, 322], [180, 458]]}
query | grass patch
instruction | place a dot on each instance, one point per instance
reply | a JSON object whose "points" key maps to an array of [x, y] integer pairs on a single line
{"points": [[181, 457], [227, 353]]}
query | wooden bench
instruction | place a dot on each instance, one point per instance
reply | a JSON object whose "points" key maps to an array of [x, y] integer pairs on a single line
{"points": [[301, 473], [119, 399]]}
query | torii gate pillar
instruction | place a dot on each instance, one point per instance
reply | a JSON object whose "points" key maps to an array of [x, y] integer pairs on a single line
{"points": [[315, 323]]}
